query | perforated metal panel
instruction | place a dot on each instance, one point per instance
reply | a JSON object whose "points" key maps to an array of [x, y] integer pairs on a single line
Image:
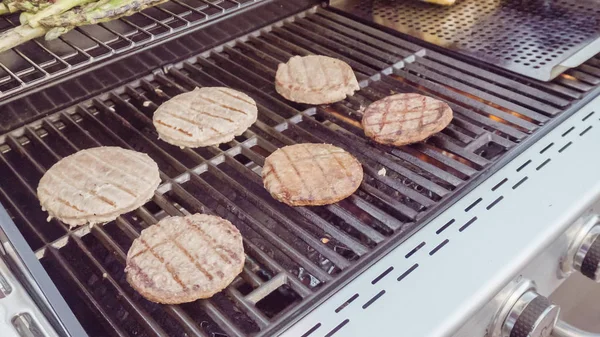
{"points": [[532, 38]]}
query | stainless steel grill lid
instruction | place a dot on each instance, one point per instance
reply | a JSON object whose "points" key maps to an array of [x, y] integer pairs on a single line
{"points": [[537, 38], [296, 256]]}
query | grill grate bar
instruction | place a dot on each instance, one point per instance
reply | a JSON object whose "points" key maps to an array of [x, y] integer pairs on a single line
{"points": [[524, 125], [150, 324], [530, 103], [329, 27], [368, 30], [535, 116], [349, 47], [285, 38], [88, 297], [517, 86]]}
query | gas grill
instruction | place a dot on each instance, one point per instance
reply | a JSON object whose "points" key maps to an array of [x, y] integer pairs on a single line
{"points": [[400, 246]]}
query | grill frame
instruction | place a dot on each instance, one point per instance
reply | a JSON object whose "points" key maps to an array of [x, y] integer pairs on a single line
{"points": [[309, 113]]}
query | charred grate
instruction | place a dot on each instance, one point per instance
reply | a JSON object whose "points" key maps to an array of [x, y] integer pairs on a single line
{"points": [[530, 38], [42, 61], [294, 255]]}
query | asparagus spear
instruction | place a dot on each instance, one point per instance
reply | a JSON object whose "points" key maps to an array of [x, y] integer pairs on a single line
{"points": [[100, 11], [56, 25], [58, 7], [10, 5], [15, 36]]}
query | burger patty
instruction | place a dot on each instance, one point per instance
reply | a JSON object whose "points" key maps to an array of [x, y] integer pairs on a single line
{"points": [[184, 258], [315, 79], [311, 174], [405, 118]]}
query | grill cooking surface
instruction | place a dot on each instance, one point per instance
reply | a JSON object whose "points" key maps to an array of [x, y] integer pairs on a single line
{"points": [[527, 37], [41, 61], [294, 255]]}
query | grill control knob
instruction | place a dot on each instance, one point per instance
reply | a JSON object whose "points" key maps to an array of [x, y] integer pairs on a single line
{"points": [[523, 312], [587, 257], [583, 254], [533, 315]]}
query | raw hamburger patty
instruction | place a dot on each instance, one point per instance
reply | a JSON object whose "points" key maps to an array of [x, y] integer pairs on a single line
{"points": [[311, 174], [182, 259], [97, 185], [315, 79], [204, 117], [405, 118]]}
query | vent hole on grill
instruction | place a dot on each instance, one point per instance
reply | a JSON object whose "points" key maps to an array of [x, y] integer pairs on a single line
{"points": [[345, 304], [446, 225], [382, 275], [467, 224], [494, 203], [277, 301], [414, 250], [438, 247], [565, 147]]}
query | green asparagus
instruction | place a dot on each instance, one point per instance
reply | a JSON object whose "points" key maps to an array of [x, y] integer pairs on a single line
{"points": [[100, 11], [14, 37], [10, 5], [58, 7], [56, 25]]}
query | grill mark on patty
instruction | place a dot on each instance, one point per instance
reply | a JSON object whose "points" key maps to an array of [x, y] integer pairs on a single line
{"points": [[226, 107], [68, 204], [79, 190], [323, 173], [396, 121], [173, 240], [174, 128], [386, 111], [213, 243], [143, 251], [146, 280], [192, 259], [428, 112], [278, 179], [167, 266], [344, 168], [191, 121], [104, 182], [311, 84], [293, 165], [224, 92], [120, 169]]}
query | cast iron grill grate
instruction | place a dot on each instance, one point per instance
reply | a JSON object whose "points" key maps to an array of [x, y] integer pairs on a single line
{"points": [[294, 255]]}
